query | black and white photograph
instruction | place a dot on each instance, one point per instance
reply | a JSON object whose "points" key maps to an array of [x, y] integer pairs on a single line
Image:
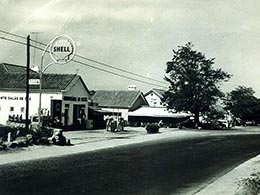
{"points": [[129, 97]]}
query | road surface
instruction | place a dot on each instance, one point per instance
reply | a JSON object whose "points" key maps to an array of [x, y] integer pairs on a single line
{"points": [[164, 166]]}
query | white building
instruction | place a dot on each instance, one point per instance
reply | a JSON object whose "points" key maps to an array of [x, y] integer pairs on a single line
{"points": [[64, 96], [154, 97]]}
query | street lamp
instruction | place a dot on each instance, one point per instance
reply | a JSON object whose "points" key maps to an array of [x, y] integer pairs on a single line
{"points": [[62, 51], [41, 71]]}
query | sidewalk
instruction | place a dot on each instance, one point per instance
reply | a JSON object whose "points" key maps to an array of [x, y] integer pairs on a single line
{"points": [[242, 180], [85, 141], [234, 182]]}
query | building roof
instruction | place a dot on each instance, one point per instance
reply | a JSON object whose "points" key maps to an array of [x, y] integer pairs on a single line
{"points": [[13, 78], [116, 99], [157, 112], [159, 92], [13, 69]]}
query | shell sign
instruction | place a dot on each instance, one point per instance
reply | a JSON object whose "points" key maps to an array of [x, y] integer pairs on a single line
{"points": [[62, 49]]}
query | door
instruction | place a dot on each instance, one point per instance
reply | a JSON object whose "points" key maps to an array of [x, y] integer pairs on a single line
{"points": [[66, 117], [56, 109], [78, 115]]}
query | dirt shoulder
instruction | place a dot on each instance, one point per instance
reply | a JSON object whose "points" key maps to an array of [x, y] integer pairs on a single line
{"points": [[85, 141], [244, 179]]}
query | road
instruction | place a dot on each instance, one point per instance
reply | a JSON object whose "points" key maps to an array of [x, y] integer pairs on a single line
{"points": [[164, 166]]}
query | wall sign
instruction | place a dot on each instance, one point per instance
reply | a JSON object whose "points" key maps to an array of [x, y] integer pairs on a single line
{"points": [[34, 81]]}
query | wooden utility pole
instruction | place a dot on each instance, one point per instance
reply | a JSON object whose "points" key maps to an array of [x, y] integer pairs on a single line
{"points": [[27, 83]]}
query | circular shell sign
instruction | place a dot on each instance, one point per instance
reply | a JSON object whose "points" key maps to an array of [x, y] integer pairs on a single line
{"points": [[62, 49]]}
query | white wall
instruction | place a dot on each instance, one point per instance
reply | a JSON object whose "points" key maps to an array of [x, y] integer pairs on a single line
{"points": [[153, 100], [78, 91], [17, 101], [124, 112]]}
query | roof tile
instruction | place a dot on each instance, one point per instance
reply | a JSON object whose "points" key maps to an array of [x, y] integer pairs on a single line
{"points": [[119, 99]]}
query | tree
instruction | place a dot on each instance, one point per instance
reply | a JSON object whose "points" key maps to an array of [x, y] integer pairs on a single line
{"points": [[193, 82], [243, 104]]}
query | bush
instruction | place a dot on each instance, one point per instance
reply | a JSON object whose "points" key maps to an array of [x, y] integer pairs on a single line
{"points": [[152, 128], [213, 125], [190, 124], [37, 135]]}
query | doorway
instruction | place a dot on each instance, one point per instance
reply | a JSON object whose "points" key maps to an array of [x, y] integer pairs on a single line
{"points": [[79, 115]]}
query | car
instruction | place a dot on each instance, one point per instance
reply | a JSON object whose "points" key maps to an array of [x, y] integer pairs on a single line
{"points": [[223, 122]]}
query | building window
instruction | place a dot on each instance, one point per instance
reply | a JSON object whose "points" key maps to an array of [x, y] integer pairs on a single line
{"points": [[11, 109], [22, 109]]}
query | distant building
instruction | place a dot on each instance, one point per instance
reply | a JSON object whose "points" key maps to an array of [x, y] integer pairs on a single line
{"points": [[156, 111], [148, 114], [154, 97], [119, 103], [64, 96]]}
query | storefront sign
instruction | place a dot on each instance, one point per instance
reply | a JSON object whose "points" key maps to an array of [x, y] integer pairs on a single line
{"points": [[12, 98]]}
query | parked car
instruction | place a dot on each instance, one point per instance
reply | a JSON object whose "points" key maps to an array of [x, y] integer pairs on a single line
{"points": [[45, 121], [223, 122]]}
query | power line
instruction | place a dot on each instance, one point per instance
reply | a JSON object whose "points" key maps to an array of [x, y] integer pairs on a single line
{"points": [[22, 37], [9, 33], [123, 76], [126, 71], [12, 40], [94, 61], [91, 66]]}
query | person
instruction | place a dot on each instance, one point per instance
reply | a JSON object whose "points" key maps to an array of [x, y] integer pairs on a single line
{"points": [[160, 124], [82, 118], [120, 125], [58, 138], [114, 124], [56, 121], [109, 122]]}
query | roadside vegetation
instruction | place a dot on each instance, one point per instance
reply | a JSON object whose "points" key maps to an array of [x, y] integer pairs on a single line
{"points": [[194, 87], [250, 185], [242, 103], [193, 82], [19, 137]]}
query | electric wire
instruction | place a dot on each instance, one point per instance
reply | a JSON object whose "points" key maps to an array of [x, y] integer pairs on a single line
{"points": [[88, 65], [92, 60]]}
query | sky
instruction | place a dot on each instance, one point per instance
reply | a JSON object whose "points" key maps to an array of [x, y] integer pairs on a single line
{"points": [[138, 36]]}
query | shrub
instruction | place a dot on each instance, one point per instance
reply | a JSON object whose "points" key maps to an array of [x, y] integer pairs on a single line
{"points": [[152, 128]]}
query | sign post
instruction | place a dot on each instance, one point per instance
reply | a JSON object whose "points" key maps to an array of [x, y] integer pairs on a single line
{"points": [[62, 50]]}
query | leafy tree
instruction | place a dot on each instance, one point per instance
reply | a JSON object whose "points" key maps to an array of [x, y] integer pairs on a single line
{"points": [[243, 104], [193, 81]]}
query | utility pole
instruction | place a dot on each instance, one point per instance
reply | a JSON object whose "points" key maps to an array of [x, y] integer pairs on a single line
{"points": [[27, 83], [35, 44]]}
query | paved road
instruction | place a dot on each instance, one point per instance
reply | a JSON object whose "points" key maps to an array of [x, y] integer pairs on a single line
{"points": [[168, 166]]}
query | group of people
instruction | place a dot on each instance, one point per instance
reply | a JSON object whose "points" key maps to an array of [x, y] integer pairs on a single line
{"points": [[114, 124], [15, 118]]}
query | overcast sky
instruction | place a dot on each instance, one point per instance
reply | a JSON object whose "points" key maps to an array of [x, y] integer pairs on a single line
{"points": [[139, 35]]}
